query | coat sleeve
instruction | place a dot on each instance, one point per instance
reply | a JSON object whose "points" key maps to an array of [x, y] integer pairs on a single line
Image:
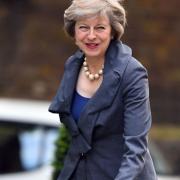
{"points": [[137, 120]]}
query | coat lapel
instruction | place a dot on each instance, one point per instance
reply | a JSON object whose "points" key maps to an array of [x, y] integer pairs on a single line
{"points": [[61, 103], [116, 60], [71, 79], [115, 64]]}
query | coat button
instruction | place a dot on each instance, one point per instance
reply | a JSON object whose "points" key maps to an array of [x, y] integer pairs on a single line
{"points": [[82, 155]]}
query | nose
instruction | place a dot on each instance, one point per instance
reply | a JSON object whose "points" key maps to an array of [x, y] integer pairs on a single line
{"points": [[91, 34]]}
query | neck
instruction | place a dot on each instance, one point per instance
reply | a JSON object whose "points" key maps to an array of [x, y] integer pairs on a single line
{"points": [[95, 63]]}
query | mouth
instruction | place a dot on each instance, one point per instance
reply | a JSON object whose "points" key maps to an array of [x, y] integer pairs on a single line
{"points": [[92, 45]]}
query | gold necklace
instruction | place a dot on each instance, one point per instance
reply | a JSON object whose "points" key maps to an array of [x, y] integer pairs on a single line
{"points": [[90, 75]]}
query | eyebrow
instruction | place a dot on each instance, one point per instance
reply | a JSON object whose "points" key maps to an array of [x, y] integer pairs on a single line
{"points": [[84, 24]]}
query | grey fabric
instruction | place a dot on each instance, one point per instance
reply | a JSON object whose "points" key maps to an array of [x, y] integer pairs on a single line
{"points": [[110, 140]]}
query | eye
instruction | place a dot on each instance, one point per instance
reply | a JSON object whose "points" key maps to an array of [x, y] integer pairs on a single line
{"points": [[100, 28], [83, 28]]}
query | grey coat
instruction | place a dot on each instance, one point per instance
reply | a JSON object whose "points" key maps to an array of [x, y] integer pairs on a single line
{"points": [[109, 142]]}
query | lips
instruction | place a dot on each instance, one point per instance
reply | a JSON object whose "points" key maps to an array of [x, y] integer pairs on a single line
{"points": [[92, 45]]}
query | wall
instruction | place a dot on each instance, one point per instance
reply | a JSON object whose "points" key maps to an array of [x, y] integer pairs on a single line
{"points": [[33, 49]]}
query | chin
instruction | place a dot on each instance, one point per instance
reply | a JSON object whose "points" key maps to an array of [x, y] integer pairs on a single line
{"points": [[92, 54]]}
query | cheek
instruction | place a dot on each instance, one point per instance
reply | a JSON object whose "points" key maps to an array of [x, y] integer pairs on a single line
{"points": [[78, 42], [107, 38], [78, 36]]}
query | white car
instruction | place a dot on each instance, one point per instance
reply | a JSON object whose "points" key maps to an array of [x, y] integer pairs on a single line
{"points": [[27, 135], [163, 168], [166, 177]]}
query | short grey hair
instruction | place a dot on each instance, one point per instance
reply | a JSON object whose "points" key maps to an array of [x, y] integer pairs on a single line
{"points": [[88, 8]]}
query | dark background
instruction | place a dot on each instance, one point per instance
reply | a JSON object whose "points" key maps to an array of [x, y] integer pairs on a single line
{"points": [[33, 49]]}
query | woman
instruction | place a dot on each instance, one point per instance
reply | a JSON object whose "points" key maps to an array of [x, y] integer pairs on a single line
{"points": [[103, 98]]}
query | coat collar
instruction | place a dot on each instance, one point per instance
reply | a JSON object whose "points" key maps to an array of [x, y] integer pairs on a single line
{"points": [[115, 63], [116, 60]]}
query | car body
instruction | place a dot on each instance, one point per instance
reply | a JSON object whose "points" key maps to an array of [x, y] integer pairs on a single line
{"points": [[28, 131], [163, 168], [27, 135], [165, 177]]}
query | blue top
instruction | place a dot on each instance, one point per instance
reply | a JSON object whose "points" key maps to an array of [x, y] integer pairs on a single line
{"points": [[78, 103]]}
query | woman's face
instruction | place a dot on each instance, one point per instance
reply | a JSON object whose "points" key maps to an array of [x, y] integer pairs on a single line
{"points": [[93, 35]]}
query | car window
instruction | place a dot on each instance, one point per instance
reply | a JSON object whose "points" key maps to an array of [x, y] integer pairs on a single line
{"points": [[24, 147]]}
